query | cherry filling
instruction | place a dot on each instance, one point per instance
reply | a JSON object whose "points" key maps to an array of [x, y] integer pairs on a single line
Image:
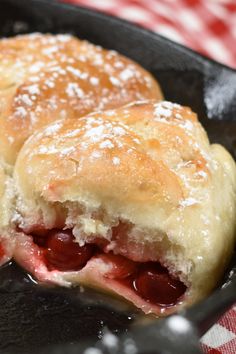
{"points": [[61, 252], [154, 284], [149, 280]]}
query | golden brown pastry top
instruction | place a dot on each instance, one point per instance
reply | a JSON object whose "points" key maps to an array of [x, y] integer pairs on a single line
{"points": [[138, 154], [49, 77]]}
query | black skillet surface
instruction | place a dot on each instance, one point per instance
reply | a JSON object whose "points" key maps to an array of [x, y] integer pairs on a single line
{"points": [[31, 316]]}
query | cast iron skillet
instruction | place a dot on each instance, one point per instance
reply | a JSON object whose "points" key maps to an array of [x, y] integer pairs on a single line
{"points": [[33, 317]]}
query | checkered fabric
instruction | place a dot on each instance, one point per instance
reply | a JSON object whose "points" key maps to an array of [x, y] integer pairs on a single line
{"points": [[209, 27], [221, 338]]}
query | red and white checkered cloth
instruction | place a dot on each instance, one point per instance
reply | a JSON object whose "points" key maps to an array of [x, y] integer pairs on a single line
{"points": [[221, 338], [209, 27]]}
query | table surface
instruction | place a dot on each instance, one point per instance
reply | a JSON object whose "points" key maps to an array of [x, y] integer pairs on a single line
{"points": [[209, 27]]}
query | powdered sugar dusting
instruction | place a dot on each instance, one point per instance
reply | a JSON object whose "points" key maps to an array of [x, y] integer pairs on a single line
{"points": [[202, 174], [67, 150], [126, 74], [64, 37], [188, 125], [77, 73], [35, 68], [115, 81], [50, 50], [25, 99], [116, 160], [106, 144], [162, 112], [165, 109], [47, 150], [95, 134], [33, 89], [188, 202], [171, 113], [94, 80], [49, 83], [96, 154], [53, 128], [21, 112], [73, 90], [119, 130]]}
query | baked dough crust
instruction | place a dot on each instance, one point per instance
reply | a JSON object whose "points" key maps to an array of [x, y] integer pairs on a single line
{"points": [[148, 164], [47, 77]]}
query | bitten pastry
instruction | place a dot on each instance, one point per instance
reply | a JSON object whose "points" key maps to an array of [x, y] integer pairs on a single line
{"points": [[48, 77], [133, 201]]}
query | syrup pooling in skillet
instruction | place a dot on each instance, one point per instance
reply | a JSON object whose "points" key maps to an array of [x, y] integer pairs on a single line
{"points": [[149, 280]]}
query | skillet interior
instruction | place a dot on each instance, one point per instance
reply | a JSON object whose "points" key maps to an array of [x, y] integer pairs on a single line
{"points": [[32, 316]]}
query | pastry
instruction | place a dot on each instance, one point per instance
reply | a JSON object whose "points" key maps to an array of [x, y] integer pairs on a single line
{"points": [[47, 77], [133, 201]]}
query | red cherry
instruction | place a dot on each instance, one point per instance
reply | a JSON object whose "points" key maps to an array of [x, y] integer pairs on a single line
{"points": [[64, 254], [156, 285]]}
